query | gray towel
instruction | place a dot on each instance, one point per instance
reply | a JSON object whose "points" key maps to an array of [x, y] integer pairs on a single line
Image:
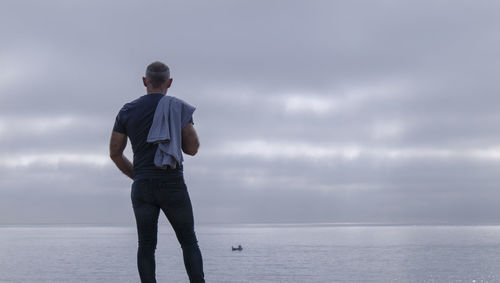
{"points": [[171, 116]]}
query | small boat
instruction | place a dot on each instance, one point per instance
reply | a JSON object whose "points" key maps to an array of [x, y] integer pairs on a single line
{"points": [[239, 248]]}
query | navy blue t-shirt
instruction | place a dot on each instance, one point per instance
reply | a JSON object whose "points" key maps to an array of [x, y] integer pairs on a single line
{"points": [[135, 120]]}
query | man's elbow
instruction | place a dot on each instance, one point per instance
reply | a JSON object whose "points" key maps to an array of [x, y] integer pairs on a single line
{"points": [[191, 152], [115, 156], [192, 149]]}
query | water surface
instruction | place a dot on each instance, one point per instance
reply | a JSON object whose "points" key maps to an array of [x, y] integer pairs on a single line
{"points": [[271, 253]]}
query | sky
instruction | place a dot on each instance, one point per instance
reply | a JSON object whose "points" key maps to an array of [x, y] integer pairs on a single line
{"points": [[307, 111]]}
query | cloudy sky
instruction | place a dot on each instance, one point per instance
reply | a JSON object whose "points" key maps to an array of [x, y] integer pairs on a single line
{"points": [[307, 111]]}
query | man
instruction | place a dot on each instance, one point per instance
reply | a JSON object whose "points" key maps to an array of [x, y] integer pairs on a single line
{"points": [[155, 188]]}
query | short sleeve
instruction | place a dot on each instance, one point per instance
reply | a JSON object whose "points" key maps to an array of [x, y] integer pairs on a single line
{"points": [[119, 123], [187, 114]]}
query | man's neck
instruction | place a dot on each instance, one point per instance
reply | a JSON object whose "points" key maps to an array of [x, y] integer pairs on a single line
{"points": [[158, 90]]}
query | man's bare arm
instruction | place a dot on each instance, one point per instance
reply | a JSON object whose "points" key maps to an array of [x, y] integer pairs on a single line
{"points": [[190, 142], [117, 144]]}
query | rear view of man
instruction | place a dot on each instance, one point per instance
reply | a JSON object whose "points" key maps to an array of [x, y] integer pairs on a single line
{"points": [[156, 185]]}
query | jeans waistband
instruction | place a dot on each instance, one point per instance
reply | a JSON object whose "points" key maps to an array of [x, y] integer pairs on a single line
{"points": [[166, 179]]}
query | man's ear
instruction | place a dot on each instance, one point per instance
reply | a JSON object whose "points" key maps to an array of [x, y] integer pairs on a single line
{"points": [[144, 81], [169, 83]]}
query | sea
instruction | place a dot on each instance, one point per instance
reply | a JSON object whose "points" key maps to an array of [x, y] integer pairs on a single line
{"points": [[319, 252]]}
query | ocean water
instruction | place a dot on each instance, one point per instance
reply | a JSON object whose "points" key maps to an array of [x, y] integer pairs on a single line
{"points": [[271, 253]]}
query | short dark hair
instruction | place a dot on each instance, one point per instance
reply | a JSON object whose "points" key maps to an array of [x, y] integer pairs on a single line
{"points": [[157, 73]]}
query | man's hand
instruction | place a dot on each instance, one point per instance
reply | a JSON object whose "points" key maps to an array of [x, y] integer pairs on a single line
{"points": [[190, 142], [117, 144]]}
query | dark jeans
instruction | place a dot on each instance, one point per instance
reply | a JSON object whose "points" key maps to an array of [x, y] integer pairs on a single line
{"points": [[171, 196]]}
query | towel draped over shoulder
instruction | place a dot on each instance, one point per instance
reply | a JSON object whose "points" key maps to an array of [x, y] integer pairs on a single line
{"points": [[170, 117]]}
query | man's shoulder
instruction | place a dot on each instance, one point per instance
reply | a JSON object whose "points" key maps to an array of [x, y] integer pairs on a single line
{"points": [[134, 103], [179, 101], [175, 99]]}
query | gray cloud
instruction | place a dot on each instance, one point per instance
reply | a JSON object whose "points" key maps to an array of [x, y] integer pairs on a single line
{"points": [[319, 111]]}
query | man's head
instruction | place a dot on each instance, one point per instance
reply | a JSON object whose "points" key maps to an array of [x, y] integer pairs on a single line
{"points": [[157, 77]]}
